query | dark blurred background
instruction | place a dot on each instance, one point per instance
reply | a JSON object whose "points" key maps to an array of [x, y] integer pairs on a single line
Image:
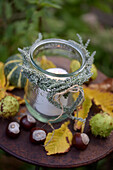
{"points": [[22, 20]]}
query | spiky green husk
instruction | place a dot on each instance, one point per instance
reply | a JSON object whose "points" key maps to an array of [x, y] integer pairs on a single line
{"points": [[101, 124], [9, 107]]}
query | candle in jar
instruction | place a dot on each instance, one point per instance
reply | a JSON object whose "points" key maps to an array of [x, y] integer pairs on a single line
{"points": [[42, 104]]}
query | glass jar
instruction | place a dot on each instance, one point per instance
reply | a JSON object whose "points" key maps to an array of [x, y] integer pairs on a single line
{"points": [[58, 81]]}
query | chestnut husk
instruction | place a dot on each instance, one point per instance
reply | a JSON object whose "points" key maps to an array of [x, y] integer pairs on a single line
{"points": [[35, 141], [25, 124]]}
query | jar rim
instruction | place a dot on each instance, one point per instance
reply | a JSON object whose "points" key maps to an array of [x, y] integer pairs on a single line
{"points": [[75, 46]]}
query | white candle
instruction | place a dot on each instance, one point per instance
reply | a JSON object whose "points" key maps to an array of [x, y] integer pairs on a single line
{"points": [[42, 104]]}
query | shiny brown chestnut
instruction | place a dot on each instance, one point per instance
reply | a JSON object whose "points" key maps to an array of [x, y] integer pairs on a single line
{"points": [[13, 129], [80, 140], [27, 122], [38, 135]]}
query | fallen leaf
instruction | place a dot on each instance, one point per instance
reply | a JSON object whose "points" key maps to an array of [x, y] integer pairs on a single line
{"points": [[59, 141], [2, 76], [2, 93], [101, 98], [83, 111], [2, 82], [21, 113], [10, 88], [106, 85]]}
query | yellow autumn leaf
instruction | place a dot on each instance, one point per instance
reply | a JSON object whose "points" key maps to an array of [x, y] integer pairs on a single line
{"points": [[83, 111], [10, 88], [2, 81], [2, 76], [101, 98], [2, 93], [59, 141], [46, 64]]}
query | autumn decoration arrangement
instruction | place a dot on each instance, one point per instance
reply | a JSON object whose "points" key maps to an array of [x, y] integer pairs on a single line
{"points": [[58, 140]]}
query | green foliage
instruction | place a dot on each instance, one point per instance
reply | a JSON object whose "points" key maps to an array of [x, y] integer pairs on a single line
{"points": [[20, 22]]}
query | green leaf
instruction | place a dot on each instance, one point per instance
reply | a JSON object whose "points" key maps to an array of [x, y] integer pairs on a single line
{"points": [[33, 1], [20, 5], [49, 4], [8, 10], [1, 7], [103, 6]]}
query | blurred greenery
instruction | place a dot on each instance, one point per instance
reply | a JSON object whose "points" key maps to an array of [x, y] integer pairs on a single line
{"points": [[21, 21]]}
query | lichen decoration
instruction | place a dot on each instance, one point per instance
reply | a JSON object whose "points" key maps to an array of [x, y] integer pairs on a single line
{"points": [[53, 86]]}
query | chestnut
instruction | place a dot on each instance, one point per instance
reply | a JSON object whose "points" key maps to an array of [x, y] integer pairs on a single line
{"points": [[80, 140], [13, 130], [27, 122], [38, 135]]}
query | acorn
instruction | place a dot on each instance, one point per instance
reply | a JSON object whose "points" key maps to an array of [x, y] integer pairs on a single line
{"points": [[13, 129], [80, 140], [27, 122], [38, 135]]}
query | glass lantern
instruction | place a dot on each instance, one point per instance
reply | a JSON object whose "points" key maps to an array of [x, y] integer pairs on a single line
{"points": [[49, 91]]}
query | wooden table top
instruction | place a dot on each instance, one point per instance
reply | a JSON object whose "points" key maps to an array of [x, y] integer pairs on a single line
{"points": [[21, 147]]}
